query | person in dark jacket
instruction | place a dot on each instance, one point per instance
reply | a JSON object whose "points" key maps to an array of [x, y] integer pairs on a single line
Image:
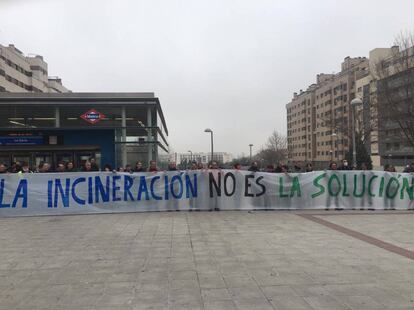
{"points": [[44, 167], [94, 165], [297, 167], [139, 167], [15, 167], [25, 168], [309, 167], [333, 166], [128, 169], [3, 168], [70, 167], [254, 167], [345, 165], [87, 167], [60, 167], [172, 166], [278, 168], [409, 168], [107, 168], [214, 165], [194, 166], [237, 166], [270, 168]]}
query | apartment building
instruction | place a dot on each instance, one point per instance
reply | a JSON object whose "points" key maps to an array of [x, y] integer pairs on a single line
{"points": [[367, 117], [395, 101], [20, 73], [318, 119]]}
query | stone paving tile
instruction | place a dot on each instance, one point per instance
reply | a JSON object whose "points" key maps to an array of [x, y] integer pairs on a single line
{"points": [[254, 303], [203, 260], [326, 303], [286, 302], [360, 302], [216, 294], [220, 305]]}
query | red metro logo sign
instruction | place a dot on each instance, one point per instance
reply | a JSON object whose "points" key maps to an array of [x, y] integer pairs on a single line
{"points": [[92, 116]]}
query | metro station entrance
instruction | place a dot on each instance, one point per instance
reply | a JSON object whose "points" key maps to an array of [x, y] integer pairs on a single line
{"points": [[35, 155]]}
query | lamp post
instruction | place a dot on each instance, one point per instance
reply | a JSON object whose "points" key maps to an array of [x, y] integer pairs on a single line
{"points": [[250, 145], [354, 103], [212, 147], [191, 155]]}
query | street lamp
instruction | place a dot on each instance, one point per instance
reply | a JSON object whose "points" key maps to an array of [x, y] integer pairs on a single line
{"points": [[191, 155], [211, 133], [354, 103], [250, 145]]}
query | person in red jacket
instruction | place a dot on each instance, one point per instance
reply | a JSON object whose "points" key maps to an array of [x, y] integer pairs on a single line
{"points": [[152, 166]]}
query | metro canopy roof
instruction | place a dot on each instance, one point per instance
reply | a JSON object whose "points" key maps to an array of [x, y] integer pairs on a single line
{"points": [[81, 99]]}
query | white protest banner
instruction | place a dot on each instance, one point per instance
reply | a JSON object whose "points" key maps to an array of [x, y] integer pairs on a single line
{"points": [[107, 192]]}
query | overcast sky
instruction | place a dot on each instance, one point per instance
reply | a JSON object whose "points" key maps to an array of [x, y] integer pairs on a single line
{"points": [[228, 65]]}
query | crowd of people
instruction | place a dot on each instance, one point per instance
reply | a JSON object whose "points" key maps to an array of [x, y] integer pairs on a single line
{"points": [[91, 166], [308, 167]]}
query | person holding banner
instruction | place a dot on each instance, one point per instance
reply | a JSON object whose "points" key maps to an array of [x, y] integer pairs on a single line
{"points": [[254, 167], [70, 167], [60, 167], [194, 166], [138, 167], [25, 168], [87, 167], [44, 167], [153, 166], [3, 168], [172, 166], [309, 167], [333, 166]]}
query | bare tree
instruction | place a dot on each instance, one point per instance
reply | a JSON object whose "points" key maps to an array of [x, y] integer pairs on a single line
{"points": [[274, 150], [395, 89], [276, 142]]}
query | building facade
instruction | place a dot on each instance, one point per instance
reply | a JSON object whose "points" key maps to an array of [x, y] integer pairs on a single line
{"points": [[318, 119], [20, 73], [204, 158], [114, 128], [395, 95]]}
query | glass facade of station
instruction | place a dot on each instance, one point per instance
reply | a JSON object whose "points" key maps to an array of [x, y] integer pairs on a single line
{"points": [[116, 129]]}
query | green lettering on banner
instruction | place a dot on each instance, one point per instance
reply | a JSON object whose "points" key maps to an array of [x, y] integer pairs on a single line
{"points": [[345, 193], [387, 190], [281, 188], [356, 187], [319, 186], [331, 179], [409, 189], [381, 188], [295, 187], [370, 185]]}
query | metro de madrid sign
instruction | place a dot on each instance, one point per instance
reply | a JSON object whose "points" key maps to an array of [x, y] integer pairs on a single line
{"points": [[92, 116]]}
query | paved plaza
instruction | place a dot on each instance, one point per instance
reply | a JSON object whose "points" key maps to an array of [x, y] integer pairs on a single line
{"points": [[209, 260]]}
